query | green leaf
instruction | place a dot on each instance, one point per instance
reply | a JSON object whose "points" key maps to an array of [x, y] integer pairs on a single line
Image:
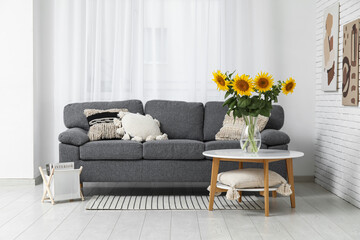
{"points": [[227, 102], [268, 105], [262, 104], [237, 113], [265, 112], [232, 104], [227, 94], [245, 112], [231, 73], [255, 103], [254, 114], [244, 102]]}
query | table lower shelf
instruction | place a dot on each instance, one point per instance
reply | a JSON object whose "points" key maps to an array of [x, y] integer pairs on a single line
{"points": [[223, 186]]}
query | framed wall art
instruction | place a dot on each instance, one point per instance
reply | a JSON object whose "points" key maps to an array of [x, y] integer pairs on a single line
{"points": [[350, 68], [330, 48]]}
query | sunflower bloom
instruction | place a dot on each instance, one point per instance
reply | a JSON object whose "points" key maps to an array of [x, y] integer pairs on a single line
{"points": [[263, 81], [242, 85], [288, 86], [219, 79]]}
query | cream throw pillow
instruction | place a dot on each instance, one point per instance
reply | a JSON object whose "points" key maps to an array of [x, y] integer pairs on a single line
{"points": [[251, 178], [139, 128], [232, 130]]}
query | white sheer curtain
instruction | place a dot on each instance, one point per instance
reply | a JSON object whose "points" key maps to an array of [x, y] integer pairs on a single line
{"points": [[156, 49], [146, 49]]}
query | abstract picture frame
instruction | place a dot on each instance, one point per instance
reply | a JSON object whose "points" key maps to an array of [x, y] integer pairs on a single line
{"points": [[330, 48], [350, 67]]}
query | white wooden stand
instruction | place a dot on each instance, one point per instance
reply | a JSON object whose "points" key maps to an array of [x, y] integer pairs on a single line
{"points": [[61, 185]]}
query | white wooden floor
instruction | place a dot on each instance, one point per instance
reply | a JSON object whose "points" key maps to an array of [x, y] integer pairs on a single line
{"points": [[318, 215]]}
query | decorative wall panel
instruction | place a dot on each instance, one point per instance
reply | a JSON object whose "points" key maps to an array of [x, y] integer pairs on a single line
{"points": [[350, 66], [330, 47]]}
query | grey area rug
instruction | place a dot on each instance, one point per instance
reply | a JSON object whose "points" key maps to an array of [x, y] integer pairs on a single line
{"points": [[170, 202]]}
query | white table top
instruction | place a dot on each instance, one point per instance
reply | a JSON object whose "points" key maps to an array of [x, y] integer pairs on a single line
{"points": [[262, 154]]}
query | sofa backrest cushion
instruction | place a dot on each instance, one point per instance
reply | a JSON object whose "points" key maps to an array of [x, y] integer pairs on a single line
{"points": [[215, 113], [213, 119], [74, 112], [276, 120], [179, 120]]}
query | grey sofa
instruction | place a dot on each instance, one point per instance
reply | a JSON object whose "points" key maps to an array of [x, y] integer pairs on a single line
{"points": [[191, 128]]}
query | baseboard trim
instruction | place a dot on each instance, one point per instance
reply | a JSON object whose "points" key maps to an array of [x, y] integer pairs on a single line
{"points": [[304, 178], [20, 181], [38, 180]]}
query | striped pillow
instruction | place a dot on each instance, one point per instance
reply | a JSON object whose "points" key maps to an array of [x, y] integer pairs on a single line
{"points": [[101, 123]]}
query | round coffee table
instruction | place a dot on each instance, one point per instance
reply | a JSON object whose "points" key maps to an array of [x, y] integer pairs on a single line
{"points": [[264, 156]]}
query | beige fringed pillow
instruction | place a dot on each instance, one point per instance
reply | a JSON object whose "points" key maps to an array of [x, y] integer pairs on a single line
{"points": [[101, 123], [251, 178], [232, 130]]}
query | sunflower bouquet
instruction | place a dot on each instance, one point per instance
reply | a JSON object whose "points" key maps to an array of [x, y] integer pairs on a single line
{"points": [[248, 98]]}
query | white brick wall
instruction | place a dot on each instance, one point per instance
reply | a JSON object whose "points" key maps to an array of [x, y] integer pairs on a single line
{"points": [[337, 153]]}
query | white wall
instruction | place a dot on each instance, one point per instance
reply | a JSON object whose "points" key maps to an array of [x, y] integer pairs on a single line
{"points": [[16, 89], [287, 46], [297, 47], [337, 163], [45, 144]]}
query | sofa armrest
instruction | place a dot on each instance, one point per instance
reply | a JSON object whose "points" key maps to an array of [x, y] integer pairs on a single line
{"points": [[74, 136], [272, 137]]}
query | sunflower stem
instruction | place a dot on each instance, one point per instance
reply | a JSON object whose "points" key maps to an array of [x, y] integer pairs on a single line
{"points": [[250, 142]]}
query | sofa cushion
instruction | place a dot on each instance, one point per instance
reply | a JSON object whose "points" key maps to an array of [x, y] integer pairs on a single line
{"points": [[213, 119], [279, 147], [227, 144], [111, 149], [272, 137], [173, 149], [276, 120], [74, 113], [179, 120], [74, 136]]}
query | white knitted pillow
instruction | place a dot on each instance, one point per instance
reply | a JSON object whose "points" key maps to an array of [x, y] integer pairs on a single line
{"points": [[251, 178], [138, 127], [232, 130]]}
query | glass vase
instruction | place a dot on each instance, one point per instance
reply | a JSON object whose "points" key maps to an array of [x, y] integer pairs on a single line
{"points": [[250, 140]]}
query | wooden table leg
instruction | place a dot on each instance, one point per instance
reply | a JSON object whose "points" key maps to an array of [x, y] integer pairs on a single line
{"points": [[289, 167], [266, 187], [274, 194], [240, 167], [214, 173], [240, 193]]}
